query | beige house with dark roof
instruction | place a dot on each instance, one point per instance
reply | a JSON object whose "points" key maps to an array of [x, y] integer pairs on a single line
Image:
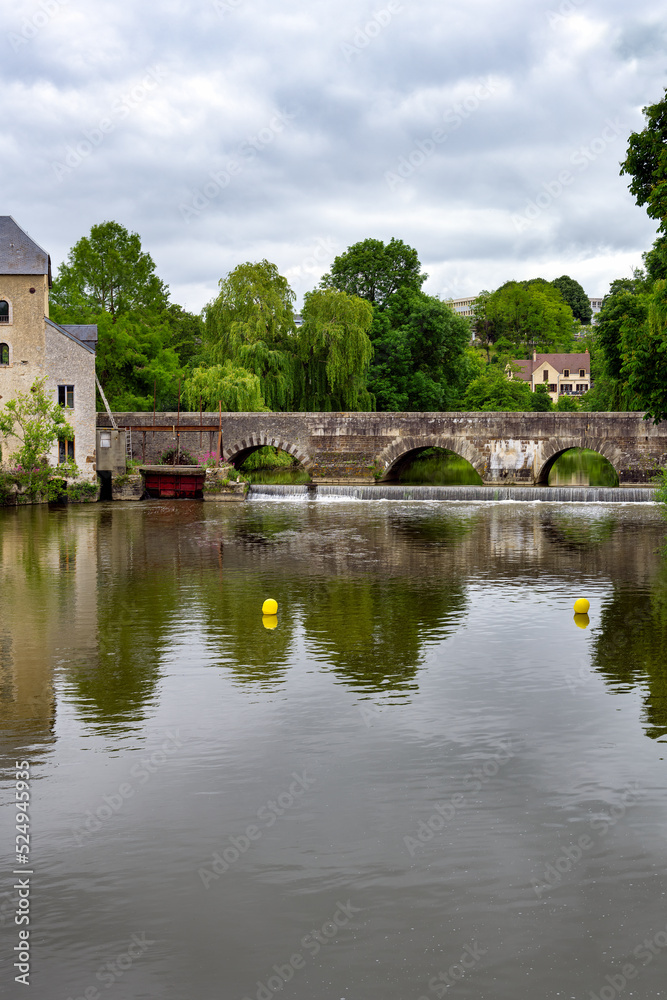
{"points": [[33, 346], [564, 374]]}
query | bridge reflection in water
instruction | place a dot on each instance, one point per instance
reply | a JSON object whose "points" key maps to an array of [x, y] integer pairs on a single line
{"points": [[369, 588], [413, 643]]}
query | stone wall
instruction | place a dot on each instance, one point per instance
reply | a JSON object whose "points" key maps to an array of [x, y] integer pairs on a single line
{"points": [[504, 448], [24, 335], [68, 362]]}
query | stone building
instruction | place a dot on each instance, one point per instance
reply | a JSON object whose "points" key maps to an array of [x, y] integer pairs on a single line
{"points": [[33, 346], [564, 374]]}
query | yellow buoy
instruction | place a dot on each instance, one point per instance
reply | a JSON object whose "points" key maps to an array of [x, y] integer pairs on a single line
{"points": [[270, 607], [581, 606], [582, 621], [269, 621]]}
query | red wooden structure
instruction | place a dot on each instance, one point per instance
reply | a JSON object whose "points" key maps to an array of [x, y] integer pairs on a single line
{"points": [[173, 484]]}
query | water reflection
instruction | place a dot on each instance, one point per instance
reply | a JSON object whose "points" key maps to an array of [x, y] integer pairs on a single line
{"points": [[573, 532], [582, 467], [440, 528], [630, 650], [434, 467], [237, 636], [102, 596], [374, 632]]}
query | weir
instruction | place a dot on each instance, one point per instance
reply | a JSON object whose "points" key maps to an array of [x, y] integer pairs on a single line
{"points": [[548, 494]]}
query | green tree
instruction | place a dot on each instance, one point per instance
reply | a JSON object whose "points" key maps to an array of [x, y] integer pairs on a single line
{"points": [[645, 356], [251, 323], [110, 281], [34, 421], [235, 388], [621, 325], [531, 316], [567, 404], [335, 351], [646, 163], [488, 330], [108, 271], [187, 333], [540, 399], [575, 297], [136, 363], [374, 270], [494, 390], [420, 346]]}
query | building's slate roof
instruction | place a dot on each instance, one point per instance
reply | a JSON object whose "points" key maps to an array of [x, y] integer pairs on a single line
{"points": [[558, 361], [85, 332], [66, 333], [19, 254]]}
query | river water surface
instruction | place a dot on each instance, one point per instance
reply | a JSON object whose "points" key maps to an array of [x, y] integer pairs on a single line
{"points": [[422, 779]]}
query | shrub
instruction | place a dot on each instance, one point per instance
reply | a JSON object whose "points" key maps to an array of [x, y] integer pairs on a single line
{"points": [[170, 457], [81, 490]]}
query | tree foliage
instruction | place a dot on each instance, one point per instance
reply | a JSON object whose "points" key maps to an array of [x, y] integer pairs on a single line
{"points": [[645, 356], [575, 297], [235, 388], [36, 423], [374, 270], [646, 163], [143, 341], [335, 351], [530, 315], [108, 271], [487, 329], [419, 345], [493, 390], [135, 362], [251, 323]]}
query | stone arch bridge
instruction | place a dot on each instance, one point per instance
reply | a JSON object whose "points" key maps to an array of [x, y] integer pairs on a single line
{"points": [[365, 447]]}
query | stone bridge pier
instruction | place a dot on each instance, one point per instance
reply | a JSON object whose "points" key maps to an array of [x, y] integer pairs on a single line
{"points": [[504, 448]]}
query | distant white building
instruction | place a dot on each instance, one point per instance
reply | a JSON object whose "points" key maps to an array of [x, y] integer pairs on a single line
{"points": [[464, 307], [596, 306]]}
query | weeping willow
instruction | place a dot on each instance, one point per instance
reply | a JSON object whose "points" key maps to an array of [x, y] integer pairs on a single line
{"points": [[237, 389], [335, 352], [251, 323]]}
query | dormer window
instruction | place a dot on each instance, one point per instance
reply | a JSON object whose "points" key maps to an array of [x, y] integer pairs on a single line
{"points": [[566, 372], [5, 311], [4, 354], [582, 373]]}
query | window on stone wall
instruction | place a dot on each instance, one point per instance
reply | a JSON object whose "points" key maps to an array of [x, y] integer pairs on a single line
{"points": [[65, 451], [545, 375], [552, 387], [4, 354], [66, 396], [4, 311]]}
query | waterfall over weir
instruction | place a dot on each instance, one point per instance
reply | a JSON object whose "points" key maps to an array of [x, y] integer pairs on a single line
{"points": [[384, 491]]}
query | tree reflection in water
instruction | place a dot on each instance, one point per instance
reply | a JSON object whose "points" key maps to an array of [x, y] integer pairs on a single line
{"points": [[630, 650]]}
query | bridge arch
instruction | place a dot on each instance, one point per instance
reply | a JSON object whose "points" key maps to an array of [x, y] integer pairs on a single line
{"points": [[239, 451], [553, 448], [393, 453]]}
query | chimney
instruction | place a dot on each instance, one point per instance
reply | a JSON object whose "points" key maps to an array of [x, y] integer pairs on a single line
{"points": [[534, 355]]}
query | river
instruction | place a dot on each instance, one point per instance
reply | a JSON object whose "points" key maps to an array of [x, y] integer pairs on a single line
{"points": [[423, 778]]}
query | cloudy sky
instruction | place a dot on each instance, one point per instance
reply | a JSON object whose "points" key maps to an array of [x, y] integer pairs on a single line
{"points": [[486, 135]]}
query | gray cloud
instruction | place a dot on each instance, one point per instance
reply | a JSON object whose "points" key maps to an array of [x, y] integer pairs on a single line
{"points": [[290, 134]]}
